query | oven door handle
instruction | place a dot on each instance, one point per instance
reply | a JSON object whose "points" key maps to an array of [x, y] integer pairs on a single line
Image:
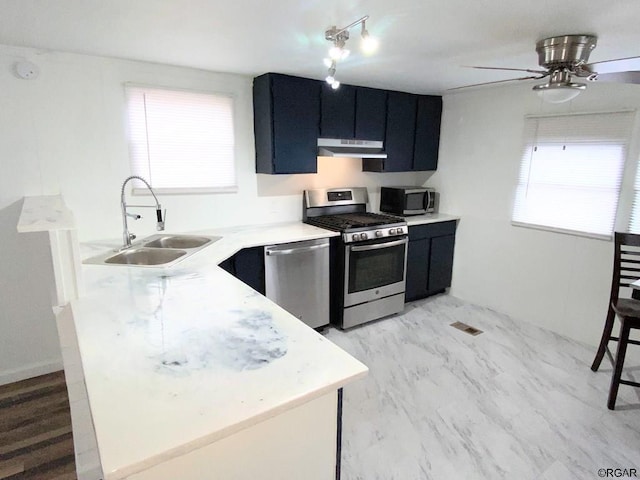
{"points": [[379, 245]]}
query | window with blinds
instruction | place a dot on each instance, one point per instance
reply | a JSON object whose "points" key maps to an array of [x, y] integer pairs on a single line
{"points": [[634, 219], [181, 141], [571, 172]]}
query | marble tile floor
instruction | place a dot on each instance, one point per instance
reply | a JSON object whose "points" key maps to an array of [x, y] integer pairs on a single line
{"points": [[516, 402]]}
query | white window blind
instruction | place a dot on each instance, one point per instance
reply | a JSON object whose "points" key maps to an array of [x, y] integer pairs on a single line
{"points": [[634, 220], [571, 172], [181, 141]]}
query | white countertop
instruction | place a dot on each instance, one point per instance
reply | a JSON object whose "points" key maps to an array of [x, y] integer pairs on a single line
{"points": [[45, 213], [176, 358], [413, 220]]}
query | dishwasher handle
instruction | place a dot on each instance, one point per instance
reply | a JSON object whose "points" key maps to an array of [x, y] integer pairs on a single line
{"points": [[291, 251]]}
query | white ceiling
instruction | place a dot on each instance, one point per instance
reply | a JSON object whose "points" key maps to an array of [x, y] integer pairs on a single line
{"points": [[424, 43]]}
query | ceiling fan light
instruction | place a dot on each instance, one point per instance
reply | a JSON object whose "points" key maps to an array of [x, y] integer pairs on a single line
{"points": [[559, 92]]}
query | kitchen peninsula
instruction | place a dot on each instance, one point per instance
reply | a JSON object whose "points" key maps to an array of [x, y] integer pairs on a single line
{"points": [[190, 373]]}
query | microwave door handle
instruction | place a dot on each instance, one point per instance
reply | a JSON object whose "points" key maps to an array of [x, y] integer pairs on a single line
{"points": [[427, 200]]}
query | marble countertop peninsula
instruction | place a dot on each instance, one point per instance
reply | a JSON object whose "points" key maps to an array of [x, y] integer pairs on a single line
{"points": [[45, 213], [177, 358]]}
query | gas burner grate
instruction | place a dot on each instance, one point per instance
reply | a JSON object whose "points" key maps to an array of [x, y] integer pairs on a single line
{"points": [[345, 221]]}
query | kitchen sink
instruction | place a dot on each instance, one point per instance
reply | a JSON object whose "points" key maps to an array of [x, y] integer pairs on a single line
{"points": [[145, 256], [155, 251], [179, 241]]}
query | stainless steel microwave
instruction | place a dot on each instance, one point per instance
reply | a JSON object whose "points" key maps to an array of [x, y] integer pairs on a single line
{"points": [[408, 200]]}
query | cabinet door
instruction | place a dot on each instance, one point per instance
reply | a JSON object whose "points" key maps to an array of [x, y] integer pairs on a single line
{"points": [[228, 266], [427, 138], [417, 269], [441, 262], [249, 267], [371, 113], [401, 124], [337, 111], [296, 114], [263, 123]]}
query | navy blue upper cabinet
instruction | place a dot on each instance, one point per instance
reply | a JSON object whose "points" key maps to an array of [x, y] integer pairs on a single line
{"points": [[353, 113], [371, 113], [413, 134], [427, 142], [337, 111], [286, 113], [291, 113], [400, 134]]}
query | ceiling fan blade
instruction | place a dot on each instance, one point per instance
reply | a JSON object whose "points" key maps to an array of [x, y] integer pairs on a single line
{"points": [[618, 77], [510, 69], [615, 65], [500, 81]]}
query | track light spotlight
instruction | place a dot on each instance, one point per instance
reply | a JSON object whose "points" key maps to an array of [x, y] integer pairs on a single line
{"points": [[337, 52]]}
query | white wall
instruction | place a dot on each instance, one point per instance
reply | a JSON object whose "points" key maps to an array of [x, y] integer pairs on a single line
{"points": [[65, 132], [554, 280]]}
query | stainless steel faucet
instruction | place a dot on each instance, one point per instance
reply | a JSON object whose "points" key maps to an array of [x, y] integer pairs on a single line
{"points": [[126, 236]]}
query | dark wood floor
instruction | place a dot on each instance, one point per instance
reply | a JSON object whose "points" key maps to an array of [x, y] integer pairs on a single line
{"points": [[35, 430]]}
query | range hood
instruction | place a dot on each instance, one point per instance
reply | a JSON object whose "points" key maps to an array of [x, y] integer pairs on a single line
{"points": [[335, 147]]}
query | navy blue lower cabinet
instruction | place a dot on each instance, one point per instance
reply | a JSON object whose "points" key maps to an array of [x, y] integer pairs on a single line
{"points": [[429, 259], [417, 269], [441, 263], [248, 266]]}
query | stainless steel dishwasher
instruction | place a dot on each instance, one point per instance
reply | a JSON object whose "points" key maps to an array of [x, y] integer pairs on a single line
{"points": [[297, 279]]}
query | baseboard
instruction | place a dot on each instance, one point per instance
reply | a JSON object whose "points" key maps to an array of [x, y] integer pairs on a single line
{"points": [[30, 371]]}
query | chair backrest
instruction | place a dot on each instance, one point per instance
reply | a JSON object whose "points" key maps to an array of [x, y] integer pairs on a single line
{"points": [[626, 263]]}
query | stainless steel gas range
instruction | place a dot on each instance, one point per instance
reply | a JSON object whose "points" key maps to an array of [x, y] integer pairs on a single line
{"points": [[368, 261]]}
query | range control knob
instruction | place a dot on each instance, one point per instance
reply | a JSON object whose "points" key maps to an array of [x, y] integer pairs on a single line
{"points": [[363, 236], [355, 237], [379, 233], [399, 231], [392, 231]]}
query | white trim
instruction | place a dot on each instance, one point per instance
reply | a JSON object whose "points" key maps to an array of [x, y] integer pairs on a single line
{"points": [[179, 89], [30, 371], [575, 233], [143, 192], [599, 112]]}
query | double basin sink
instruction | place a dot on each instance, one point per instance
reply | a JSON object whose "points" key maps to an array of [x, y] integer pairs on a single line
{"points": [[156, 250]]}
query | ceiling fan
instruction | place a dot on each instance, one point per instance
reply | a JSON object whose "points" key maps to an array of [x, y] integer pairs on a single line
{"points": [[564, 58]]}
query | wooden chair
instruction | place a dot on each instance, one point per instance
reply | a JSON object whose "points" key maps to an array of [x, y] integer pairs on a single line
{"points": [[626, 270]]}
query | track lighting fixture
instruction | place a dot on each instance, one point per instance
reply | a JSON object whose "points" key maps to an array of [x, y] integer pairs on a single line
{"points": [[337, 52]]}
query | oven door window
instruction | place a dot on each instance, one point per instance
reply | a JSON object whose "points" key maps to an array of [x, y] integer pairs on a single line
{"points": [[371, 266]]}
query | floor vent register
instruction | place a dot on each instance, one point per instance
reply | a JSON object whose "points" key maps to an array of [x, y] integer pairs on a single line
{"points": [[466, 328]]}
